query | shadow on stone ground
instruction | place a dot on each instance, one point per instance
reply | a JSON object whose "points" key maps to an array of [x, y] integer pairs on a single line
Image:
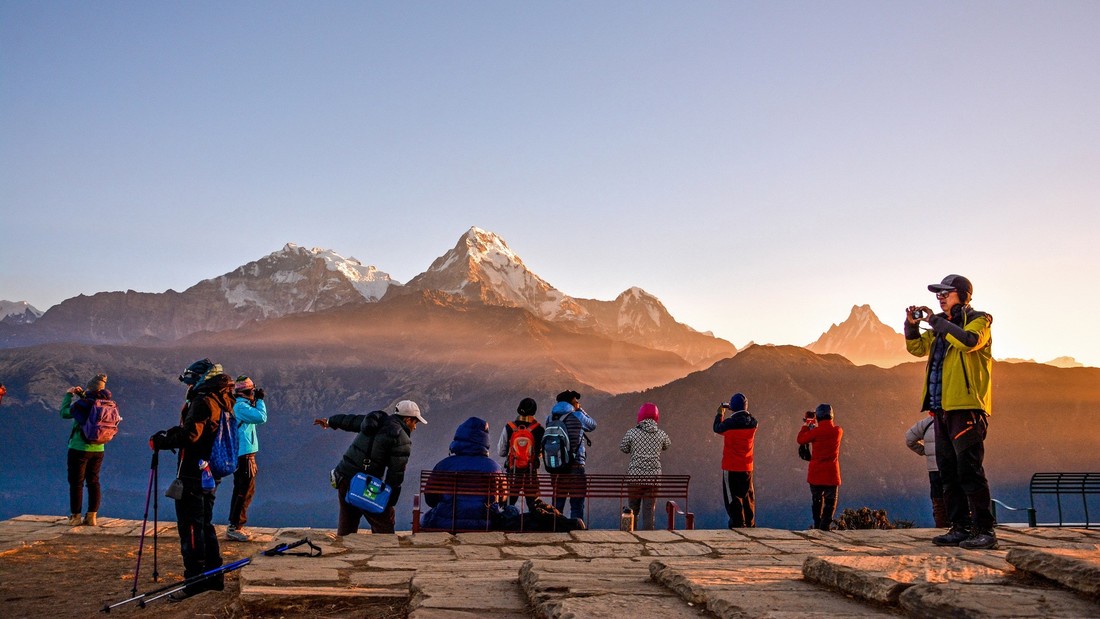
{"points": [[76, 575]]}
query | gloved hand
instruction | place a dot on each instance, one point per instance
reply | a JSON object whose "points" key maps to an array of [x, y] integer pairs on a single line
{"points": [[259, 393], [157, 441]]}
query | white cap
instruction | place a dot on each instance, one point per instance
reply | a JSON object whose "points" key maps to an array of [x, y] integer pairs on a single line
{"points": [[408, 408]]}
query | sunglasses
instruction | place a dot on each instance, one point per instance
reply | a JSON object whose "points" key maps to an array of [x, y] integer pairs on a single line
{"points": [[943, 294]]}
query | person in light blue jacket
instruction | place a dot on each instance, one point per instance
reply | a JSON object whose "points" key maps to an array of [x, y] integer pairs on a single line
{"points": [[250, 412], [570, 481]]}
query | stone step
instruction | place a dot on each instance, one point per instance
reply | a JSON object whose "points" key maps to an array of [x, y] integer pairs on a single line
{"points": [[612, 588], [882, 579], [739, 589], [1078, 570], [934, 601]]}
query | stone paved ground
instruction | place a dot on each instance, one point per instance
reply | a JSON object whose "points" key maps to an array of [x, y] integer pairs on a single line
{"points": [[704, 573]]}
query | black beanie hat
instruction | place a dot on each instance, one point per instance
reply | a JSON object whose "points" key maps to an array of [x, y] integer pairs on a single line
{"points": [[824, 411], [568, 396], [527, 407], [739, 402]]}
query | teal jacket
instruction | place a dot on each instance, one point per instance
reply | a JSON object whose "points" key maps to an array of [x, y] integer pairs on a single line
{"points": [[248, 416], [968, 362], [76, 437]]}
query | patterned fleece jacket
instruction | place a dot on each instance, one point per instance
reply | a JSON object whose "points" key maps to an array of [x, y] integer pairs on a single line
{"points": [[645, 442]]}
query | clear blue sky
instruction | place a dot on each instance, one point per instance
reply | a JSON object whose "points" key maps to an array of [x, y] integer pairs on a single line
{"points": [[759, 166]]}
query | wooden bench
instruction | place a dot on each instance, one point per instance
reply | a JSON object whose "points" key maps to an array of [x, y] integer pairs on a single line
{"points": [[596, 486], [1065, 484]]}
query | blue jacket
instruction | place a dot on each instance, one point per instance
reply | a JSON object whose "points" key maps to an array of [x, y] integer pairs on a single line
{"points": [[248, 416], [577, 422], [469, 453]]}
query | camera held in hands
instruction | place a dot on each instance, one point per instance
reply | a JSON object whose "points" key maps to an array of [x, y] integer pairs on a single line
{"points": [[917, 314], [809, 415]]}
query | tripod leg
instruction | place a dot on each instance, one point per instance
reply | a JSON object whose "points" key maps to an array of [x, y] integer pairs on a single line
{"points": [[156, 524]]}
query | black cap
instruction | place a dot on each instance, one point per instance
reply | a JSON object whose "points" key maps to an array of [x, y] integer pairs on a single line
{"points": [[527, 407], [568, 396], [957, 283]]}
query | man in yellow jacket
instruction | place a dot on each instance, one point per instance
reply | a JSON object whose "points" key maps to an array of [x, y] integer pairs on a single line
{"points": [[957, 391]]}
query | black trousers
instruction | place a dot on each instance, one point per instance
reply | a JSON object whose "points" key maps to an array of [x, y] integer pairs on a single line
{"points": [[350, 515], [523, 482], [960, 453], [244, 486], [198, 540], [740, 498], [573, 485], [823, 505], [84, 469]]}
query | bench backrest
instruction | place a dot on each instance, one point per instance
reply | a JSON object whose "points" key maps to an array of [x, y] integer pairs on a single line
{"points": [[596, 485], [1059, 484]]}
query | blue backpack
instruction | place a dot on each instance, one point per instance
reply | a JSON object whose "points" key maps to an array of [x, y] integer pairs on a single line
{"points": [[555, 445], [223, 455]]}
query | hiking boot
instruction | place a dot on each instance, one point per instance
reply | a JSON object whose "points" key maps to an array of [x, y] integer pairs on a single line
{"points": [[954, 537], [178, 596], [238, 535], [75, 520], [89, 519], [982, 539]]}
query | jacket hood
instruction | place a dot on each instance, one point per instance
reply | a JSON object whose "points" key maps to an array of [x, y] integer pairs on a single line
{"points": [[648, 425], [562, 408], [471, 438]]}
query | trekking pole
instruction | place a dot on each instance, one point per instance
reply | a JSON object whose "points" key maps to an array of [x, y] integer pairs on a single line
{"points": [[144, 521], [156, 522], [144, 598]]}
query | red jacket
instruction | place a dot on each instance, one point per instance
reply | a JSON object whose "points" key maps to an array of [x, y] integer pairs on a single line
{"points": [[825, 461], [738, 435]]}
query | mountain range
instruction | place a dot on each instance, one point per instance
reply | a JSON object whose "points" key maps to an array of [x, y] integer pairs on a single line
{"points": [[481, 269], [473, 335]]}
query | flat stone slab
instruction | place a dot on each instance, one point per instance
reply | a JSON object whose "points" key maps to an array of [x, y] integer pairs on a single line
{"points": [[682, 549], [1078, 570], [600, 588], [934, 601], [535, 552], [499, 595], [734, 592], [659, 535], [591, 550], [619, 606], [605, 537], [883, 578]]}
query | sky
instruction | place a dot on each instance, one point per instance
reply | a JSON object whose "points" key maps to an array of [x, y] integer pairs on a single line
{"points": [[760, 167]]}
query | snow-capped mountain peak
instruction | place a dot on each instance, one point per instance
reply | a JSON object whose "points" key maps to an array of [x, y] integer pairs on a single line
{"points": [[481, 266], [18, 312], [296, 279], [863, 339], [367, 279]]}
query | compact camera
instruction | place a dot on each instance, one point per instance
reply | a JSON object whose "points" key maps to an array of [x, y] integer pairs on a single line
{"points": [[917, 314], [810, 415], [724, 405]]}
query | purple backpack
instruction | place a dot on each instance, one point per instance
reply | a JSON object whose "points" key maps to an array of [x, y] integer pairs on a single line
{"points": [[101, 423]]}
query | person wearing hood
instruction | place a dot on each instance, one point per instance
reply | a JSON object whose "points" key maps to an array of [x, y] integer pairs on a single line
{"points": [[469, 454], [84, 459], [824, 470], [738, 439], [209, 396], [644, 442]]}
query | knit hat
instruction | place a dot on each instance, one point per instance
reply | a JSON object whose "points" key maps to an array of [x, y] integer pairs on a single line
{"points": [[739, 402], [568, 396], [957, 283], [97, 383], [649, 411], [408, 408], [244, 383], [527, 407], [824, 411]]}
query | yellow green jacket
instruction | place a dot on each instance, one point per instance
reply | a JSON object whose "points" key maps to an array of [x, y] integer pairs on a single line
{"points": [[76, 437], [967, 362]]}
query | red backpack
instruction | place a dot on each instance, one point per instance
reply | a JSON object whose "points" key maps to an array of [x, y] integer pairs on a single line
{"points": [[521, 446]]}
